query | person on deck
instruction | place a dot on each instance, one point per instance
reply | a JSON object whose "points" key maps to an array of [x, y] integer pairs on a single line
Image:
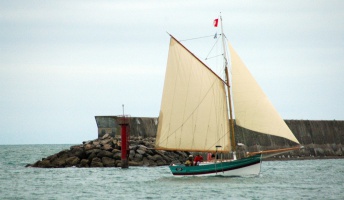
{"points": [[198, 159], [189, 162], [209, 158]]}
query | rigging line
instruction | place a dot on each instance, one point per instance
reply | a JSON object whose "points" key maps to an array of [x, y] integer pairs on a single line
{"points": [[212, 47], [196, 38], [187, 119], [213, 56], [219, 140]]}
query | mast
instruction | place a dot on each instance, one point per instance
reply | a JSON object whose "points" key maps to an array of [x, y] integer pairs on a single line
{"points": [[231, 124]]}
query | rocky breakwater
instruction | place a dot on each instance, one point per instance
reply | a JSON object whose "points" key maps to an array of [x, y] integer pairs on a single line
{"points": [[105, 152]]}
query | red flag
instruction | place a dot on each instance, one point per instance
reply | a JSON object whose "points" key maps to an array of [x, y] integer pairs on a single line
{"points": [[216, 21]]}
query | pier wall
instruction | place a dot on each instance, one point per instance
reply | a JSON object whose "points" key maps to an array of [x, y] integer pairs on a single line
{"points": [[139, 126], [320, 138]]}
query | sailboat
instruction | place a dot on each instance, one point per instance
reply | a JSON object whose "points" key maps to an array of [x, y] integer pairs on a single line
{"points": [[196, 113]]}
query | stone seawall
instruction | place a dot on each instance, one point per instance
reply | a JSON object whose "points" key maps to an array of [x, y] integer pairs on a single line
{"points": [[139, 126], [320, 138]]}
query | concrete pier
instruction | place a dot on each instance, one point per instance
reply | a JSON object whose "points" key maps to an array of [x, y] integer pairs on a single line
{"points": [[321, 138]]}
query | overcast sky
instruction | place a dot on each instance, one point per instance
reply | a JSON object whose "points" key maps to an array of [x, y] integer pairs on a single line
{"points": [[64, 62]]}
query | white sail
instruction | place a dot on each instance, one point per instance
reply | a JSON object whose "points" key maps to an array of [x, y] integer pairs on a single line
{"points": [[252, 108], [193, 114]]}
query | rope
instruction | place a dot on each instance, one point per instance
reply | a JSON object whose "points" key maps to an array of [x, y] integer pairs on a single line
{"points": [[191, 114], [212, 48], [197, 38], [213, 56]]}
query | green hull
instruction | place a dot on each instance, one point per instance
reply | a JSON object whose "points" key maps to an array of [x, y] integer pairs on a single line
{"points": [[245, 166]]}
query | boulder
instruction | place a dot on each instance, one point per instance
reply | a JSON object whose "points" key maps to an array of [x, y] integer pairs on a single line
{"points": [[95, 151], [93, 155], [319, 152], [96, 162], [86, 142], [166, 158], [44, 164], [63, 154], [149, 151], [161, 162], [107, 147], [142, 152], [108, 162], [78, 152], [156, 157], [117, 156], [105, 154], [52, 157], [59, 162], [132, 153], [338, 152], [106, 141], [133, 163], [138, 157], [72, 161], [76, 147], [145, 162], [142, 147], [152, 163], [89, 147], [114, 151], [84, 163], [105, 136]]}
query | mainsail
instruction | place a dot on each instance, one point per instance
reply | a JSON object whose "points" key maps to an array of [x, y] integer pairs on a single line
{"points": [[193, 114], [252, 108]]}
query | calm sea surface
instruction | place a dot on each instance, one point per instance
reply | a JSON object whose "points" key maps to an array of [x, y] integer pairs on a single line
{"points": [[307, 179]]}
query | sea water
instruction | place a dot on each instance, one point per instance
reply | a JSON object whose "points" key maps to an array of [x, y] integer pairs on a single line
{"points": [[301, 179]]}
